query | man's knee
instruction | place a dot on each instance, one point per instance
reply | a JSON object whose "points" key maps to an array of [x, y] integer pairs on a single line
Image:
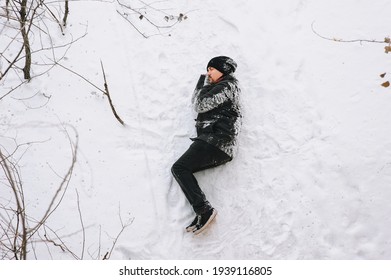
{"points": [[179, 168], [173, 169], [176, 169]]}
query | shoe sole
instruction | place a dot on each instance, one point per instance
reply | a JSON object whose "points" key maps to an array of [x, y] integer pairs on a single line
{"points": [[190, 229], [211, 218]]}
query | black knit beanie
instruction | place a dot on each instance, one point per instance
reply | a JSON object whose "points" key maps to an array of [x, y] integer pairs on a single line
{"points": [[224, 64]]}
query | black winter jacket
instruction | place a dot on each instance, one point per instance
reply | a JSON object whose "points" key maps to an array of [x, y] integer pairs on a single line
{"points": [[219, 117]]}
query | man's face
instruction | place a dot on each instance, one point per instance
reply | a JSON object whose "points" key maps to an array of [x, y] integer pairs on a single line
{"points": [[214, 75]]}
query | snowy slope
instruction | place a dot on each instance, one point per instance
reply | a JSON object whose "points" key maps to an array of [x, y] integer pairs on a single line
{"points": [[313, 174]]}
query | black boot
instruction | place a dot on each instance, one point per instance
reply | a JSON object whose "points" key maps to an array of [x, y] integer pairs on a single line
{"points": [[204, 220], [193, 224]]}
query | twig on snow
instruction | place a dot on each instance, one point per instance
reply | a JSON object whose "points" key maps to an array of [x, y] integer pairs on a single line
{"points": [[385, 41], [107, 93]]}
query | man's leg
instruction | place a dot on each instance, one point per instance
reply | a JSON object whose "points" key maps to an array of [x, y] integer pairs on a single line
{"points": [[199, 156]]}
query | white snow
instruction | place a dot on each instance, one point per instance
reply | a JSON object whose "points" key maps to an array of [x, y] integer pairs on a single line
{"points": [[312, 179]]}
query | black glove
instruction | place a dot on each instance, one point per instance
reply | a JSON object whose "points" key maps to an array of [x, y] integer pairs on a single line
{"points": [[201, 81]]}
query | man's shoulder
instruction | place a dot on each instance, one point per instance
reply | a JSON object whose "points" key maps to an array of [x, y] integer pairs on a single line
{"points": [[228, 80], [231, 83]]}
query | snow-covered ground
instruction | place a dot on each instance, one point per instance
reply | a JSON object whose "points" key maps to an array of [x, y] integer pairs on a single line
{"points": [[312, 179]]}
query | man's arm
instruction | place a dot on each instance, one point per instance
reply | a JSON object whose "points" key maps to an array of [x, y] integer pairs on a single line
{"points": [[201, 82], [208, 98]]}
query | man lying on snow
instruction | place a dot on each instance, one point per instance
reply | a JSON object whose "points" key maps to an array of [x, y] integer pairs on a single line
{"points": [[216, 100]]}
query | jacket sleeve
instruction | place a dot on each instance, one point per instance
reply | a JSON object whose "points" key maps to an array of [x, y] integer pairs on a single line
{"points": [[201, 82], [208, 97]]}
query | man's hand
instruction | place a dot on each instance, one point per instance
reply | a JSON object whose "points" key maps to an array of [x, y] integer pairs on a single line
{"points": [[201, 81]]}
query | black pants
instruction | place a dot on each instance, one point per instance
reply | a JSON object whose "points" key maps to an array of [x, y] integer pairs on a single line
{"points": [[199, 156]]}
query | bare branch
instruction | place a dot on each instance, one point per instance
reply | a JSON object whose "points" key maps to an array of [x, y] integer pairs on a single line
{"points": [[141, 14], [61, 190], [107, 93], [20, 252], [30, 15], [65, 18], [123, 227], [54, 243], [60, 243], [80, 76], [131, 23], [82, 225], [11, 64], [386, 40], [54, 16]]}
